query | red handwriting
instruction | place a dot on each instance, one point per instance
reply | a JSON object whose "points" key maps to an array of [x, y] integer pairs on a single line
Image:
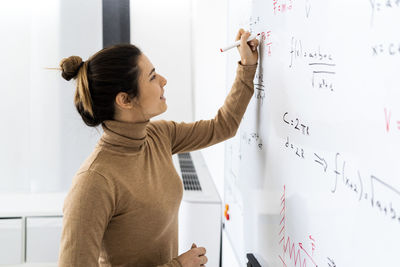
{"points": [[312, 244], [302, 248], [288, 245], [282, 6], [267, 40], [388, 116], [298, 254]]}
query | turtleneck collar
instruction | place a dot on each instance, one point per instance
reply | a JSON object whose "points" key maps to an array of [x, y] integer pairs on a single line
{"points": [[124, 135]]}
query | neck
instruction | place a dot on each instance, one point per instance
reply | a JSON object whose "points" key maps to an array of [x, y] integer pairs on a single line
{"points": [[135, 116]]}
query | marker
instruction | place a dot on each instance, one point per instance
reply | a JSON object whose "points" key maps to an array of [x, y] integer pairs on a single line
{"points": [[237, 43]]}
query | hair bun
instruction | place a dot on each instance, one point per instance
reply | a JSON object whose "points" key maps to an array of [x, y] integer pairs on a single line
{"points": [[70, 67]]}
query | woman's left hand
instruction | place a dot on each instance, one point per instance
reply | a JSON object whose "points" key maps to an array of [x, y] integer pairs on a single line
{"points": [[248, 50]]}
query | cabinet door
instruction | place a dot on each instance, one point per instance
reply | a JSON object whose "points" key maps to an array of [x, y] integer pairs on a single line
{"points": [[11, 241], [43, 236]]}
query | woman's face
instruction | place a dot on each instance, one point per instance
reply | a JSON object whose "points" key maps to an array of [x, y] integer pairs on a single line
{"points": [[151, 98]]}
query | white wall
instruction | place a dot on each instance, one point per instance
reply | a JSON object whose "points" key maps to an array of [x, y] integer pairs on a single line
{"points": [[14, 76], [43, 139], [162, 30]]}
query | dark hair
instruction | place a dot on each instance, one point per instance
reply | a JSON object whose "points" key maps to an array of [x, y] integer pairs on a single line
{"points": [[99, 79]]}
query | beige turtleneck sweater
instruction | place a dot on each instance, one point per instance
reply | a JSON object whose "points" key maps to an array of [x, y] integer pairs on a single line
{"points": [[122, 207]]}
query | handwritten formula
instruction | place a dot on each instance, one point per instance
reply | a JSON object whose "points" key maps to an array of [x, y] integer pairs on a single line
{"points": [[320, 64]]}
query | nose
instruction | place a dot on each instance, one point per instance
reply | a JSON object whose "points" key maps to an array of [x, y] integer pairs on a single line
{"points": [[163, 80]]}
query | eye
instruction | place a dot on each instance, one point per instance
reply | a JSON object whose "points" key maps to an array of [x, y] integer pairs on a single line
{"points": [[152, 77]]}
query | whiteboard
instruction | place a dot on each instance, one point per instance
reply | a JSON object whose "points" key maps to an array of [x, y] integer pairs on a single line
{"points": [[312, 176]]}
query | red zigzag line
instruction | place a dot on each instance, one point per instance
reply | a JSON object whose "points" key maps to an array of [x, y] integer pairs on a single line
{"points": [[292, 252]]}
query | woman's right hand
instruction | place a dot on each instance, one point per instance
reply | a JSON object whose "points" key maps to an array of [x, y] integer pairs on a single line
{"points": [[247, 50], [194, 257]]}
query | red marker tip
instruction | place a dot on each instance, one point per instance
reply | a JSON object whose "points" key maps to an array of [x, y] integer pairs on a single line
{"points": [[221, 50]]}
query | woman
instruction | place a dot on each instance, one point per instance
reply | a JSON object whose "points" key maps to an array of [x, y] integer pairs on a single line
{"points": [[122, 207]]}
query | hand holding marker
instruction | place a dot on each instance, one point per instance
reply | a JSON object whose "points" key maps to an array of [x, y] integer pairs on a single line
{"points": [[246, 44], [237, 43]]}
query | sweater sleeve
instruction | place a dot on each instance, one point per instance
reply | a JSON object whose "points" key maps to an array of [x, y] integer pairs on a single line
{"points": [[87, 210], [173, 263], [203, 133]]}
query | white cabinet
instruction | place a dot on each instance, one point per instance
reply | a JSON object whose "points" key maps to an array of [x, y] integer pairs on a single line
{"points": [[43, 236], [30, 229], [11, 240]]}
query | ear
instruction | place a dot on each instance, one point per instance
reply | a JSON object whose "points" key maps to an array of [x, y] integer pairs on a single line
{"points": [[122, 100]]}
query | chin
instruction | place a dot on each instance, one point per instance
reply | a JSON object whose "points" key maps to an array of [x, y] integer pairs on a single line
{"points": [[164, 108], [161, 111]]}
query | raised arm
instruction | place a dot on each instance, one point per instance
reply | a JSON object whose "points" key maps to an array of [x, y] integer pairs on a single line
{"points": [[196, 135]]}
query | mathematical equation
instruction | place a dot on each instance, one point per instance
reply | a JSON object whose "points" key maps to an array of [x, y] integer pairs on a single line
{"points": [[383, 6], [320, 64], [297, 251], [252, 139], [389, 49], [299, 126], [259, 87], [282, 6], [253, 21], [266, 40], [296, 123], [382, 196], [296, 149], [379, 5]]}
